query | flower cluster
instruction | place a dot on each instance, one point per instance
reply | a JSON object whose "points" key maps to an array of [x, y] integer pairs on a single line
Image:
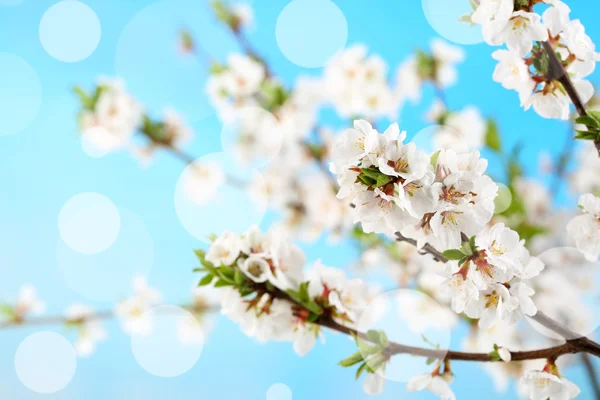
{"points": [[525, 66], [268, 293], [437, 66], [356, 84], [585, 228], [26, 304], [110, 117], [458, 130], [489, 282], [397, 188]]}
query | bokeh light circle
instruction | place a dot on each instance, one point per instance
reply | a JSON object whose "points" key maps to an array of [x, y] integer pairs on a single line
{"points": [[444, 17], [45, 362], [253, 137], [411, 318], [310, 32], [70, 31], [89, 223], [437, 137], [21, 94], [89, 142], [279, 391], [229, 207], [503, 200], [107, 275], [568, 291], [164, 351]]}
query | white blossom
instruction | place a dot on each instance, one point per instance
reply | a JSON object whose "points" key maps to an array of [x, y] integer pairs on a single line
{"points": [[585, 228], [90, 330], [435, 383], [540, 385]]}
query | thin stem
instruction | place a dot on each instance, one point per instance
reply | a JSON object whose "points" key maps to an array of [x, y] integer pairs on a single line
{"points": [[396, 348], [578, 341], [591, 372], [557, 71], [393, 348], [427, 248], [96, 316]]}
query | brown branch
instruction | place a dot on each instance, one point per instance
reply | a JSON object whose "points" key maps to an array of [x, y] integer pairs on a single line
{"points": [[577, 341], [426, 249], [96, 316], [396, 348], [557, 71]]}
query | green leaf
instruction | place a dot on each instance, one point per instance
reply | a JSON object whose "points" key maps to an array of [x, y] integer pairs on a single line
{"points": [[383, 180], [366, 180], [466, 249], [201, 254], [434, 159], [238, 277], [492, 136], [206, 280], [361, 369], [588, 121], [7, 310], [371, 172], [366, 348], [472, 243], [222, 283], [351, 360], [373, 336], [453, 254]]}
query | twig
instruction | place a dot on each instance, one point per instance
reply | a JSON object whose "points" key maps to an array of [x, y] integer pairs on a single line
{"points": [[393, 348], [96, 316], [578, 341]]}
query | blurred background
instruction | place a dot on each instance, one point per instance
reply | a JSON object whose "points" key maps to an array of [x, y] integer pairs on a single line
{"points": [[43, 165]]}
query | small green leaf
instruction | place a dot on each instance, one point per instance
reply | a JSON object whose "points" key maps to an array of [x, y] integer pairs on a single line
{"points": [[366, 180], [361, 369], [588, 121], [351, 360], [453, 254], [466, 249], [206, 280], [222, 283], [434, 159], [492, 137], [383, 180]]}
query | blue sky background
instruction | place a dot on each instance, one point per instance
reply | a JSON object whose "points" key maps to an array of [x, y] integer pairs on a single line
{"points": [[43, 166]]}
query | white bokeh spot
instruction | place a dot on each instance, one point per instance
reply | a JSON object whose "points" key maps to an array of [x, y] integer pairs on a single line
{"points": [[21, 94], [45, 362], [279, 391], [204, 210], [89, 223], [167, 350], [70, 31], [503, 200], [310, 32], [107, 275], [444, 17]]}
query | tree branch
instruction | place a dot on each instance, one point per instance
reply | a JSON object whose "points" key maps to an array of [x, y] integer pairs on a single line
{"points": [[557, 71], [96, 316], [578, 341]]}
